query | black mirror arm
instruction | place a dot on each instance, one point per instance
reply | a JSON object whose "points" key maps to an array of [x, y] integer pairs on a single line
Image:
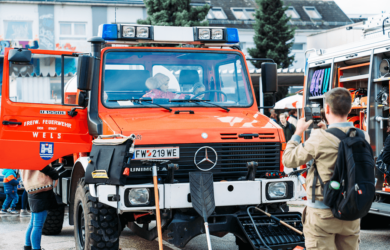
{"points": [[260, 59], [73, 111]]}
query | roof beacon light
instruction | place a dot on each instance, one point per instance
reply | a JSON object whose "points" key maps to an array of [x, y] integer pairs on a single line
{"points": [[134, 33], [217, 34], [128, 31], [204, 34], [232, 35], [143, 32], [108, 31]]}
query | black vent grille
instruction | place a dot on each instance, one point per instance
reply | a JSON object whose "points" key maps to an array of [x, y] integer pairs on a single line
{"points": [[274, 236], [231, 162]]}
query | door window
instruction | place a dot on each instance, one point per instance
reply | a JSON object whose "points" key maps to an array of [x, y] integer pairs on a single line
{"points": [[41, 80]]}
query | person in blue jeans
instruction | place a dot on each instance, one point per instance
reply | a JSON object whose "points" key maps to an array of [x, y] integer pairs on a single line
{"points": [[39, 203], [11, 190]]}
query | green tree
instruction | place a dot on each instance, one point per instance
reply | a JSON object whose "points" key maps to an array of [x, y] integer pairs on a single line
{"points": [[175, 13], [273, 36]]}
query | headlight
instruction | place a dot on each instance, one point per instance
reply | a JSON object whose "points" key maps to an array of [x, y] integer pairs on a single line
{"points": [[139, 196], [128, 31], [217, 34], [277, 190], [143, 32], [204, 34]]}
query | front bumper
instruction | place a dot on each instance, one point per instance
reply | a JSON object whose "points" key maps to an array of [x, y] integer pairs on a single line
{"points": [[177, 196]]}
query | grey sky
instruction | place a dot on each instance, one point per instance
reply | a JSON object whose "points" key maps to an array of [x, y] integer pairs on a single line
{"points": [[364, 6]]}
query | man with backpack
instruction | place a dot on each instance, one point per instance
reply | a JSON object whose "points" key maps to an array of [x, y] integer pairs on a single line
{"points": [[340, 182]]}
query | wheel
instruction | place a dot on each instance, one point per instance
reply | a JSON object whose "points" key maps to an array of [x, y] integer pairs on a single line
{"points": [[96, 224], [54, 221], [371, 221]]}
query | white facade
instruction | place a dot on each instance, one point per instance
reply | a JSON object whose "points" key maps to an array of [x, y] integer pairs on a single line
{"points": [[60, 26]]}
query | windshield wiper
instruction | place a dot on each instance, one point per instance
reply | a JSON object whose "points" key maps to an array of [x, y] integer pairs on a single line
{"points": [[145, 99], [197, 101]]}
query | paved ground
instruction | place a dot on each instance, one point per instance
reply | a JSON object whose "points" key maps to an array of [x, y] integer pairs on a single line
{"points": [[12, 229]]}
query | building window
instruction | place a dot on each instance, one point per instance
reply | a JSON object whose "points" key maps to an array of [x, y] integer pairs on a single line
{"points": [[244, 14], [250, 13], [291, 12], [312, 12], [216, 13], [65, 29], [73, 29], [297, 46], [18, 30]]}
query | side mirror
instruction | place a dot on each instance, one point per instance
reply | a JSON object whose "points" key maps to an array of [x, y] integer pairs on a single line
{"points": [[19, 55], [85, 72], [83, 99], [269, 77]]}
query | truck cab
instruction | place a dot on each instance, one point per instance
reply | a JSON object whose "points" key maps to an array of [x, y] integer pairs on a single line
{"points": [[189, 102]]}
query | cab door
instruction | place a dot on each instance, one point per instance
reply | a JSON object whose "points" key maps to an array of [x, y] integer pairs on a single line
{"points": [[35, 127]]}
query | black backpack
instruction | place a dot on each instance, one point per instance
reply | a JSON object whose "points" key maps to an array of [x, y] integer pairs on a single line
{"points": [[354, 170]]}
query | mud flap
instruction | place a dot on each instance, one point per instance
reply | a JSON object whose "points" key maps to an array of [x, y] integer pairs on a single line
{"points": [[202, 197]]}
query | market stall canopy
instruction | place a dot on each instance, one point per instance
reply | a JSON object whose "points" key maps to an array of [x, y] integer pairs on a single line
{"points": [[291, 102]]}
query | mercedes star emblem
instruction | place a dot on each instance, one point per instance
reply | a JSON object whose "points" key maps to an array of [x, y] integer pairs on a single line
{"points": [[210, 158]]}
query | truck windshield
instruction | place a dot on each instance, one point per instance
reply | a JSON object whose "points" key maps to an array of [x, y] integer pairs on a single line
{"points": [[129, 76]]}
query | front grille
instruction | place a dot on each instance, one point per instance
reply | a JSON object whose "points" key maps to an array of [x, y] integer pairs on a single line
{"points": [[231, 162], [274, 235], [234, 136]]}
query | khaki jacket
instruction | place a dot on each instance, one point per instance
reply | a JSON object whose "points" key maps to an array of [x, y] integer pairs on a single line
{"points": [[323, 148]]}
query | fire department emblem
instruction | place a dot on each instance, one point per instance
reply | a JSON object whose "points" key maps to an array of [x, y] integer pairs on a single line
{"points": [[205, 158], [46, 150]]}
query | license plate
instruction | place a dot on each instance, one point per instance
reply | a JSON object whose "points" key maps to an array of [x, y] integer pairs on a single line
{"points": [[156, 153]]}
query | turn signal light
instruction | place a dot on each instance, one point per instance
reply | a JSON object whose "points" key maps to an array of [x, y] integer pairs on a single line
{"points": [[126, 172]]}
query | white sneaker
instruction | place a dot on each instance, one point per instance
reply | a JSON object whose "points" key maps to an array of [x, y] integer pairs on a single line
{"points": [[24, 213], [12, 211], [3, 211]]}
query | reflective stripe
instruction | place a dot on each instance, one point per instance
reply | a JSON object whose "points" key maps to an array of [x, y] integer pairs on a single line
{"points": [[9, 178]]}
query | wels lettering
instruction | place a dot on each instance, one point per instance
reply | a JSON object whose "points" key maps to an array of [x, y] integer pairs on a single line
{"points": [[47, 135]]}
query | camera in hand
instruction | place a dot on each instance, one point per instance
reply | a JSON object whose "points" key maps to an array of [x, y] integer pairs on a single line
{"points": [[313, 113]]}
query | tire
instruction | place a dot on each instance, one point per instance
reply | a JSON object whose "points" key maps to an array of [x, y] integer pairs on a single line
{"points": [[54, 221], [95, 224], [374, 221]]}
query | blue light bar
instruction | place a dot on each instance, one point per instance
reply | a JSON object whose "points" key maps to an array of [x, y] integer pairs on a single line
{"points": [[109, 32], [232, 35]]}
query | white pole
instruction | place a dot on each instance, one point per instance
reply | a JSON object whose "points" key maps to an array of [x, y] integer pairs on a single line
{"points": [[206, 226], [261, 96]]}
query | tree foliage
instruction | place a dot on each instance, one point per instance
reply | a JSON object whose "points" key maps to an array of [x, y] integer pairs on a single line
{"points": [[273, 36], [175, 13]]}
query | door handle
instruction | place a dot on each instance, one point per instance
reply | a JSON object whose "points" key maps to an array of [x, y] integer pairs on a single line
{"points": [[11, 123], [380, 120]]}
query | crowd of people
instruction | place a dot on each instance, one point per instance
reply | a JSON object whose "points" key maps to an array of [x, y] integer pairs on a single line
{"points": [[39, 193]]}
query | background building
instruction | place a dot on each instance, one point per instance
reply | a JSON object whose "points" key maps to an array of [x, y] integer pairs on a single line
{"points": [[60, 24], [307, 16]]}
